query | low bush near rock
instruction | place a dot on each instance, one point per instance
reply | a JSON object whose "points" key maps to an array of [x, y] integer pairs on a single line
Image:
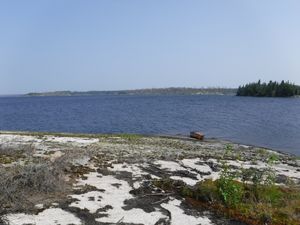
{"points": [[20, 182]]}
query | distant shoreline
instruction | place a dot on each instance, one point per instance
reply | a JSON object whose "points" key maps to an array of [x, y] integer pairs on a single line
{"points": [[152, 91]]}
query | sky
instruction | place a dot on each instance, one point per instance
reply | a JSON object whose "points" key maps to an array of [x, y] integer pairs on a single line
{"points": [[50, 45]]}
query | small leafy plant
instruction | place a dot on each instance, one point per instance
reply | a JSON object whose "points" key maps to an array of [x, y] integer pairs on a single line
{"points": [[230, 190]]}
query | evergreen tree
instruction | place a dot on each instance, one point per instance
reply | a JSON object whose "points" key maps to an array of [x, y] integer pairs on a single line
{"points": [[272, 89]]}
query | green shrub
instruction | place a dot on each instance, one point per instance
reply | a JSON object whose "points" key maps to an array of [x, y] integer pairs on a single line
{"points": [[230, 191]]}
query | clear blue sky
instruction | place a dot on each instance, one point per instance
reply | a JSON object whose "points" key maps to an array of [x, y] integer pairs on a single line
{"points": [[122, 44]]}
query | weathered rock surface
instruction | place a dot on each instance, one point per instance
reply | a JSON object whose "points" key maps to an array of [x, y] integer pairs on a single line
{"points": [[114, 174]]}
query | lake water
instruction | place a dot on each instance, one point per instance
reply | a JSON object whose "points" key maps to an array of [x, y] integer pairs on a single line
{"points": [[268, 122]]}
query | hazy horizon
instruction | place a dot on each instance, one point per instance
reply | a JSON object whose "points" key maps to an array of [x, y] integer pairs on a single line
{"points": [[163, 87], [123, 45]]}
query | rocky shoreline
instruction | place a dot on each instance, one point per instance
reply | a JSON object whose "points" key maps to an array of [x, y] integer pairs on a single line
{"points": [[110, 179]]}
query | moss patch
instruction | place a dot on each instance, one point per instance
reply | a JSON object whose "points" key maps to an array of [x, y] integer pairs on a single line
{"points": [[276, 205]]}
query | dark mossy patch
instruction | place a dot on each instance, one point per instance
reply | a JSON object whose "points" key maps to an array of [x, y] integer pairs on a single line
{"points": [[79, 171], [6, 159]]}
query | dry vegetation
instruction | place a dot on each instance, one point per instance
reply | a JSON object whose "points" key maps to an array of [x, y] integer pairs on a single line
{"points": [[34, 179]]}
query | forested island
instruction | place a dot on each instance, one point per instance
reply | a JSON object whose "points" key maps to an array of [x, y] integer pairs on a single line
{"points": [[271, 89], [149, 91]]}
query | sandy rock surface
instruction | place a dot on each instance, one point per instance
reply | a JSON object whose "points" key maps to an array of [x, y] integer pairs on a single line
{"points": [[110, 177]]}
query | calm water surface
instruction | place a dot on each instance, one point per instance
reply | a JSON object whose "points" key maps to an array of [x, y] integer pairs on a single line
{"points": [[269, 122]]}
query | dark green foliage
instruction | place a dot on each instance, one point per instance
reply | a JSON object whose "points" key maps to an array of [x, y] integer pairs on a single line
{"points": [[231, 192], [272, 89]]}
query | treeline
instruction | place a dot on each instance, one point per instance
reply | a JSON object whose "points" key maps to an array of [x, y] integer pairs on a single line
{"points": [[271, 89]]}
